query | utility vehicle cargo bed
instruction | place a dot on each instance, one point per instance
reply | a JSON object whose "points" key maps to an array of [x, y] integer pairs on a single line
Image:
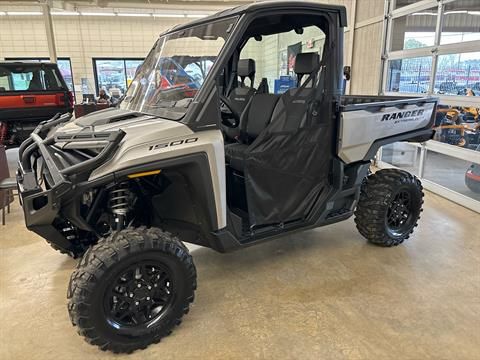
{"points": [[368, 122]]}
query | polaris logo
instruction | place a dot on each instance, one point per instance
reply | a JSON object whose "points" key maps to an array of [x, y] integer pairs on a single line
{"points": [[402, 115], [173, 143]]}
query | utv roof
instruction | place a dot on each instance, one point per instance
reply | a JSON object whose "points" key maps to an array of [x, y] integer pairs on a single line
{"points": [[266, 5]]}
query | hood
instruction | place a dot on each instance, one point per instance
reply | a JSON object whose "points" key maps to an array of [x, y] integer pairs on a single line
{"points": [[139, 128]]}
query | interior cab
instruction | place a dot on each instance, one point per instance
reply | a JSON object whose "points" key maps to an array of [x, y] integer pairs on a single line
{"points": [[269, 123]]}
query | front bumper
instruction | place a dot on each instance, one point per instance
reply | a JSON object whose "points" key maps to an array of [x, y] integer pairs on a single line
{"points": [[43, 204]]}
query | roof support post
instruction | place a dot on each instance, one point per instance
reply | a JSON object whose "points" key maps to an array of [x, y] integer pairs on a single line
{"points": [[52, 51]]}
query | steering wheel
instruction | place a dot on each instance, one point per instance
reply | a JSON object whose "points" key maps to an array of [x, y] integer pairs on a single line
{"points": [[230, 117]]}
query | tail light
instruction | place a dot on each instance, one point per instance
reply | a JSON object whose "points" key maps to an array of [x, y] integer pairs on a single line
{"points": [[71, 98], [63, 98], [60, 99]]}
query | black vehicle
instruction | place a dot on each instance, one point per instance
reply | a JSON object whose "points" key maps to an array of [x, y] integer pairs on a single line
{"points": [[30, 93], [124, 187]]}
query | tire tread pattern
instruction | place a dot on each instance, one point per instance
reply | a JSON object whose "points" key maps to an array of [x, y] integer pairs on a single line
{"points": [[375, 197], [100, 257]]}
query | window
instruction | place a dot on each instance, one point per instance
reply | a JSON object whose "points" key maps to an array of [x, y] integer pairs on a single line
{"points": [[274, 55], [413, 31], [458, 74], [29, 77], [402, 3], [64, 65], [409, 75], [115, 75], [162, 86], [131, 67], [461, 22], [449, 48]]}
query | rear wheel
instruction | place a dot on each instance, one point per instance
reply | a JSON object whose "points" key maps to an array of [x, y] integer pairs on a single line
{"points": [[389, 207], [131, 289]]}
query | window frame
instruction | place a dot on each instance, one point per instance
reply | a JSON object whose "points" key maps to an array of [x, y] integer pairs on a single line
{"points": [[433, 51]]}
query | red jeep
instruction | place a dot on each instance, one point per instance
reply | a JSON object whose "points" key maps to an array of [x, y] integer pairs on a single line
{"points": [[29, 94]]}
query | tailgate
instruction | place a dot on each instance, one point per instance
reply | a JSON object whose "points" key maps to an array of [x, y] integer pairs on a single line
{"points": [[367, 123], [32, 105]]}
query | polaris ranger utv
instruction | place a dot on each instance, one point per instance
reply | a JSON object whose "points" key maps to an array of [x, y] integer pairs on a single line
{"points": [[124, 187]]}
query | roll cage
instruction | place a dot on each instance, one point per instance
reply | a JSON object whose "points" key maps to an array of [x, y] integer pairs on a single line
{"points": [[203, 113]]}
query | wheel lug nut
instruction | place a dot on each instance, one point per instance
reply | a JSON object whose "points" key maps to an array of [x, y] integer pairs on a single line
{"points": [[148, 298], [155, 285], [136, 303], [131, 295], [149, 287], [139, 285]]}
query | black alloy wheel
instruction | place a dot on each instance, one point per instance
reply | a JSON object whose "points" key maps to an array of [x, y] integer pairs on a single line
{"points": [[139, 297], [399, 214]]}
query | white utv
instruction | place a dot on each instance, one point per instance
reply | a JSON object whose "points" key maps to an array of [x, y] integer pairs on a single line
{"points": [[211, 161]]}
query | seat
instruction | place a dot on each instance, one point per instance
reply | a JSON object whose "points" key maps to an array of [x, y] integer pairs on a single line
{"points": [[254, 121], [240, 96], [290, 110]]}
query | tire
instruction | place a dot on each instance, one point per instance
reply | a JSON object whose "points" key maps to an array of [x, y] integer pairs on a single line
{"points": [[139, 267], [389, 207]]}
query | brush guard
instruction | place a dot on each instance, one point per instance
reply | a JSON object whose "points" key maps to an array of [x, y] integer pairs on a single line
{"points": [[42, 206]]}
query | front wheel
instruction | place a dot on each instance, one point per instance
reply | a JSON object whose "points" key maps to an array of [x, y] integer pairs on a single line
{"points": [[131, 289], [389, 207]]}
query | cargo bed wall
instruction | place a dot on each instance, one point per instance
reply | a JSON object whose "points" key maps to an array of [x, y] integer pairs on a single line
{"points": [[368, 122]]}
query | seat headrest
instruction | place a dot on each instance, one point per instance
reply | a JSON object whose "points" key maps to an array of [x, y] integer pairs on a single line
{"points": [[306, 63], [246, 67]]}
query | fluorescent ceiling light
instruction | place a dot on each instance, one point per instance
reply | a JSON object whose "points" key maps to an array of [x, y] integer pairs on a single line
{"points": [[473, 12], [65, 13], [455, 12], [425, 14], [169, 15], [196, 15], [97, 14], [24, 13], [3, 13], [134, 14]]}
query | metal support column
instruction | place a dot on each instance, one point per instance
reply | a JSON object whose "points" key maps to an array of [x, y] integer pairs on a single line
{"points": [[49, 31], [353, 21], [423, 157]]}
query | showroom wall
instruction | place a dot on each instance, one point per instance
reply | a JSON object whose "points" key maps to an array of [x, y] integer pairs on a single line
{"points": [[367, 47], [82, 38]]}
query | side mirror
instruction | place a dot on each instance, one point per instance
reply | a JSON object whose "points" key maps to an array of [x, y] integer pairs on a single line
{"points": [[347, 72]]}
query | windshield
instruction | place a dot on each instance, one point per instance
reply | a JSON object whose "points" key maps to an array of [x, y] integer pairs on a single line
{"points": [[29, 77], [176, 69]]}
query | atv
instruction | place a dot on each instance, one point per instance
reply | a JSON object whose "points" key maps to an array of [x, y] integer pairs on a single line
{"points": [[124, 188]]}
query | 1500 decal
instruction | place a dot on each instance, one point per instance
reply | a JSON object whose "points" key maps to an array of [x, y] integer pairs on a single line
{"points": [[172, 143]]}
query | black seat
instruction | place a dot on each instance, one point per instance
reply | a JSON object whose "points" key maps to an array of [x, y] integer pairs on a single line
{"points": [[240, 96], [289, 111], [252, 123]]}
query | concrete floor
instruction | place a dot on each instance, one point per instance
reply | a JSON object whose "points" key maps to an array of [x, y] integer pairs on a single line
{"points": [[322, 294]]}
